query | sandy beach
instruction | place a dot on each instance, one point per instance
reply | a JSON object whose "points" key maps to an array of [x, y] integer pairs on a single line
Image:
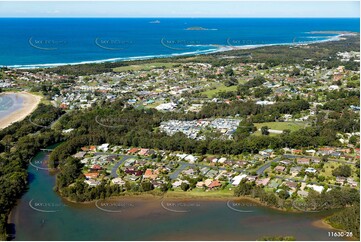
{"points": [[30, 102]]}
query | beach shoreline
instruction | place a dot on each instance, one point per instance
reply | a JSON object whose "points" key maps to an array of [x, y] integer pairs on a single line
{"points": [[30, 103], [339, 35], [175, 197]]}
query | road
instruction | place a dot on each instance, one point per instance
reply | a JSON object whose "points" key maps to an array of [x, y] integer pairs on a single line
{"points": [[289, 156], [113, 173], [261, 170], [268, 164], [179, 169], [184, 165]]}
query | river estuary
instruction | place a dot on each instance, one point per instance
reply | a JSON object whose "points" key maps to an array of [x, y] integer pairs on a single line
{"points": [[42, 215]]}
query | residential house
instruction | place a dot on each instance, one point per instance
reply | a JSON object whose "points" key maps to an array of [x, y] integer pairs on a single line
{"points": [[118, 181], [92, 183], [266, 153], [296, 152], [237, 179], [303, 161], [200, 184], [214, 184], [129, 162], [103, 147], [251, 178], [311, 170], [263, 181], [315, 160], [295, 170], [291, 184], [317, 188], [341, 180], [91, 175], [280, 168], [151, 174], [274, 184], [133, 151], [80, 155], [352, 182], [207, 182], [144, 152], [285, 162], [96, 167]]}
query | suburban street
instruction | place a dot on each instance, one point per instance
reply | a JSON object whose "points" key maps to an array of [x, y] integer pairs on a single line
{"points": [[265, 166]]}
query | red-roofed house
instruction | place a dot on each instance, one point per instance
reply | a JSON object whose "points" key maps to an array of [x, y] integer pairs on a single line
{"points": [[214, 184], [91, 175], [296, 152], [133, 150], [150, 174], [96, 167]]}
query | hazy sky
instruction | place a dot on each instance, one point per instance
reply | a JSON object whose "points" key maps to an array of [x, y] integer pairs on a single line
{"points": [[160, 9]]}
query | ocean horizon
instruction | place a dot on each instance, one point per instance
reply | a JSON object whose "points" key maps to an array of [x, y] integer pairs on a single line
{"points": [[48, 42]]}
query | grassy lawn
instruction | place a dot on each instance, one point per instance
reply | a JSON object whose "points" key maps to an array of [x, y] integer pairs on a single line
{"points": [[145, 67], [328, 169], [43, 100], [199, 192], [258, 133], [219, 88]]}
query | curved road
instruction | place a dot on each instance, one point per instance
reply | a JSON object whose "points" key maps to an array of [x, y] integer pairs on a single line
{"points": [[265, 166], [119, 163]]}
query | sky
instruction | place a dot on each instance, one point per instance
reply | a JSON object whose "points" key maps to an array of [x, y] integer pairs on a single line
{"points": [[159, 9]]}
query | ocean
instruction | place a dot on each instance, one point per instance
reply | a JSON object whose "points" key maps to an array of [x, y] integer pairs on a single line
{"points": [[46, 42]]}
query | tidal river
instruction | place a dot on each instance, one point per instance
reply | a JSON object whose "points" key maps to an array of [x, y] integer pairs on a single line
{"points": [[42, 215]]}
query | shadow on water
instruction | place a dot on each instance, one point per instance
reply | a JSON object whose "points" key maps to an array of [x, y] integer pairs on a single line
{"points": [[11, 231], [31, 177]]}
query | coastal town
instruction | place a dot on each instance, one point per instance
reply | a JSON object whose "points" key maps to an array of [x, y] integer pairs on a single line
{"points": [[295, 171], [180, 120], [188, 88], [257, 136]]}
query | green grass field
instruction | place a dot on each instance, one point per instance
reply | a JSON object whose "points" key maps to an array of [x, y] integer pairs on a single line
{"points": [[293, 126], [199, 192], [145, 67], [220, 88], [328, 169]]}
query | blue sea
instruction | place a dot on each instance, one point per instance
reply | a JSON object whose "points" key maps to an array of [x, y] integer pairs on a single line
{"points": [[45, 42]]}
